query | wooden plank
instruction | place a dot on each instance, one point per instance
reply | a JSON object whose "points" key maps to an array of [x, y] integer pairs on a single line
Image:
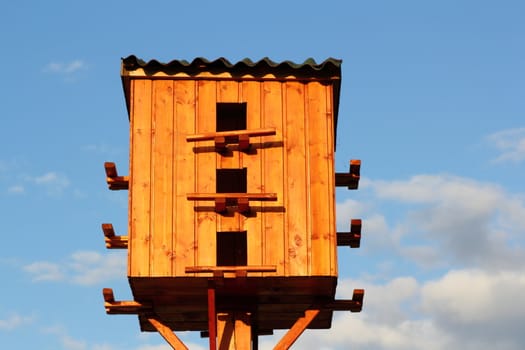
{"points": [[228, 91], [167, 333], [298, 328], [140, 174], [162, 159], [252, 161], [320, 155], [251, 131], [273, 176], [243, 331], [297, 173], [184, 177], [330, 129], [201, 269], [205, 221], [249, 196]]}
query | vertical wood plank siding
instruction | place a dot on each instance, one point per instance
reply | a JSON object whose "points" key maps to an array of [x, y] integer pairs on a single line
{"points": [[168, 233], [140, 172]]}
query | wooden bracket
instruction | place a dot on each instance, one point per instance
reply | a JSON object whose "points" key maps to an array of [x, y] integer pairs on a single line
{"points": [[115, 182], [353, 305], [352, 238], [240, 200], [112, 241], [350, 179], [123, 307], [224, 138]]}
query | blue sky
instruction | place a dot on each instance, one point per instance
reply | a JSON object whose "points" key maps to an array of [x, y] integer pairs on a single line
{"points": [[432, 102]]}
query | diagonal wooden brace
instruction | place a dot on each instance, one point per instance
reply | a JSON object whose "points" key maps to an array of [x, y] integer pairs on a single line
{"points": [[297, 329], [115, 182], [166, 333]]}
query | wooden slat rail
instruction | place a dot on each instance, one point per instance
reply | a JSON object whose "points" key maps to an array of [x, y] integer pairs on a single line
{"points": [[114, 180], [240, 271], [352, 238], [113, 241], [223, 138], [122, 307], [241, 200], [350, 179]]}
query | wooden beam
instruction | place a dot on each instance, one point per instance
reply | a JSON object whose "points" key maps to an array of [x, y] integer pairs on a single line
{"points": [[115, 182], [229, 134], [113, 241], [353, 305], [167, 333], [352, 238], [122, 307], [232, 196], [350, 179], [297, 329], [236, 269]]}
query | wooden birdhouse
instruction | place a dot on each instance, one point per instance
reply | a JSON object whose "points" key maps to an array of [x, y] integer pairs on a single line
{"points": [[232, 198]]}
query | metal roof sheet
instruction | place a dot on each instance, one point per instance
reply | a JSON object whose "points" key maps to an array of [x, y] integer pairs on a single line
{"points": [[330, 67]]}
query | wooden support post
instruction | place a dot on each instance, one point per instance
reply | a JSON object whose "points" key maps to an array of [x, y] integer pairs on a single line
{"points": [[212, 316], [234, 331], [297, 329], [167, 333]]}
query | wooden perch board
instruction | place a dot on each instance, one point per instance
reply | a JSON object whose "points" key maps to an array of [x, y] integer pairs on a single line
{"points": [[352, 238], [115, 182], [350, 179]]}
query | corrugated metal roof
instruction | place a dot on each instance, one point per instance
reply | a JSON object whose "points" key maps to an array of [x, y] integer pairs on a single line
{"points": [[329, 67]]}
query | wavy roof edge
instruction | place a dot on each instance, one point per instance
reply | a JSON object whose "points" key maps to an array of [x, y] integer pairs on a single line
{"points": [[330, 66]]}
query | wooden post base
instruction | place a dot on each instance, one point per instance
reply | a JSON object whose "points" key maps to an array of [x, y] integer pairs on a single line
{"points": [[234, 331]]}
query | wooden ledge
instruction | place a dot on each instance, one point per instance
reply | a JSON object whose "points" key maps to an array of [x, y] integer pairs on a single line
{"points": [[115, 182], [113, 241], [350, 179], [353, 305], [240, 200], [352, 238], [123, 307], [240, 271], [223, 138]]}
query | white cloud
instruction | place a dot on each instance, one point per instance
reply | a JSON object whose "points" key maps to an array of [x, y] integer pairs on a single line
{"points": [[453, 219], [70, 343], [89, 268], [510, 143], [16, 189], [462, 309], [14, 321], [66, 68], [54, 183], [45, 271], [82, 268]]}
